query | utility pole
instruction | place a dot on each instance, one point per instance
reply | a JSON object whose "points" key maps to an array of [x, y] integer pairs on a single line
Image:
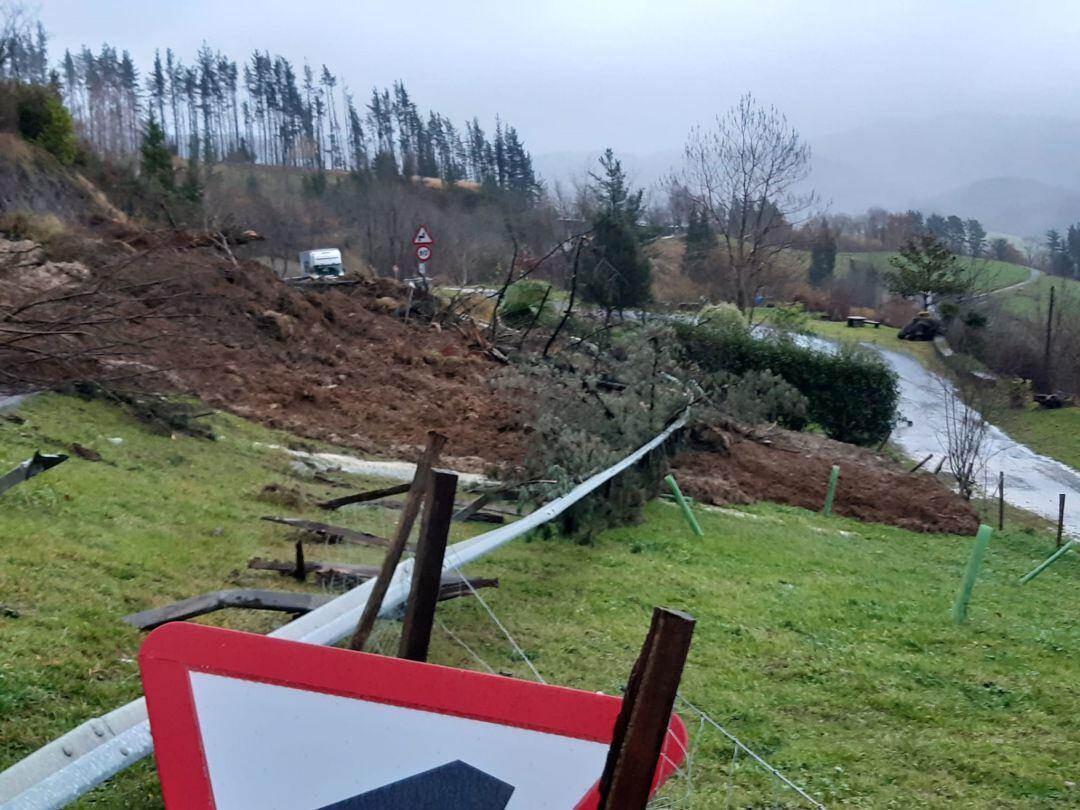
{"points": [[1048, 382]]}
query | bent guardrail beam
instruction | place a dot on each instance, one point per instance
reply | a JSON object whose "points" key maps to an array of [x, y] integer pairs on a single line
{"points": [[72, 765]]}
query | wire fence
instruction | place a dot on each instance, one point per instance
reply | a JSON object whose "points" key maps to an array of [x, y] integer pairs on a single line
{"points": [[719, 770]]}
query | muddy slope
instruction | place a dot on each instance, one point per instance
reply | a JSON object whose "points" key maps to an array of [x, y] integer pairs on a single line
{"points": [[793, 468]]}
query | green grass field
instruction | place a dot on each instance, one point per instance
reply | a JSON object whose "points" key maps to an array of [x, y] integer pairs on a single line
{"points": [[992, 274], [1055, 433], [1033, 300], [824, 644]]}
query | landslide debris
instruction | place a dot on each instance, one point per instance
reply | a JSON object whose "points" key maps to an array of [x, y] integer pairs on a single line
{"points": [[731, 467]]}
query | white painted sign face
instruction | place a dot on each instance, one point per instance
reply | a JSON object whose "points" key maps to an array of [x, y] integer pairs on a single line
{"points": [[422, 236], [423, 253], [245, 721]]}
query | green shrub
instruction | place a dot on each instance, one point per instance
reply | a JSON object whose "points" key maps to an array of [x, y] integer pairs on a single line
{"points": [[44, 120], [723, 317], [526, 301], [851, 394], [757, 397], [587, 413]]}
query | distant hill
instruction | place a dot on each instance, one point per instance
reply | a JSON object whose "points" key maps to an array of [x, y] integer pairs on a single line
{"points": [[1019, 173], [1011, 205]]}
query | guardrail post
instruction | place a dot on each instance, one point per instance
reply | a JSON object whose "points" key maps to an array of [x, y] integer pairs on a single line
{"points": [[427, 567], [643, 721]]}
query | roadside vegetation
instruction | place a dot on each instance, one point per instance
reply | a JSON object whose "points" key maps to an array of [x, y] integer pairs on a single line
{"points": [[825, 644]]}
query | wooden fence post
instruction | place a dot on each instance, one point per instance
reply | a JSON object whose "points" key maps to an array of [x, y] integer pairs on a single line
{"points": [[919, 466], [427, 567], [1001, 500], [409, 511], [1061, 518], [643, 721], [300, 574]]}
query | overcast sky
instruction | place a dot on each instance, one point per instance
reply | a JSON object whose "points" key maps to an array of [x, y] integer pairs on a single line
{"points": [[582, 74]]}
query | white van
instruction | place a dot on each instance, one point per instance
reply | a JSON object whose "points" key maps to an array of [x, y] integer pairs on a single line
{"points": [[321, 263]]}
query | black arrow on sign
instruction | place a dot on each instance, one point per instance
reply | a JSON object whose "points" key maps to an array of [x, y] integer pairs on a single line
{"points": [[454, 786]]}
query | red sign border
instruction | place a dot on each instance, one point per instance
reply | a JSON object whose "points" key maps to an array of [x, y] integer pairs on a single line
{"points": [[174, 650], [429, 250], [430, 241]]}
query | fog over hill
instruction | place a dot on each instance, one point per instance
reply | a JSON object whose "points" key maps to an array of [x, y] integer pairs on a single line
{"points": [[1018, 173]]}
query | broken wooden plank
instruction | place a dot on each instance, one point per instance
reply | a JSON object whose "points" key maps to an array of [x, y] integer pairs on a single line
{"points": [[248, 598], [417, 492], [312, 567], [471, 509], [491, 516], [363, 497], [334, 534], [453, 586]]}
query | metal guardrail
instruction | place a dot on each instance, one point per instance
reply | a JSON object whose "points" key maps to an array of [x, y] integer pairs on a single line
{"points": [[72, 765]]}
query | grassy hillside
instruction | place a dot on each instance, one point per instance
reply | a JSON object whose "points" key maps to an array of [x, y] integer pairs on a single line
{"points": [[670, 284], [1032, 301], [824, 644], [992, 274]]}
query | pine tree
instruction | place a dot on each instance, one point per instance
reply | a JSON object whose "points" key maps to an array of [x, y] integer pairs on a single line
{"points": [[612, 192], [822, 256], [976, 238], [615, 272], [701, 241], [926, 268], [156, 160]]}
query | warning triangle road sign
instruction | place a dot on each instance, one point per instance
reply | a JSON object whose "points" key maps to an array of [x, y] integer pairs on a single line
{"points": [[456, 785], [242, 721], [422, 236]]}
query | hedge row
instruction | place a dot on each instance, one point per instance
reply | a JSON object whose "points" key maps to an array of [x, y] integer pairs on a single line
{"points": [[852, 394]]}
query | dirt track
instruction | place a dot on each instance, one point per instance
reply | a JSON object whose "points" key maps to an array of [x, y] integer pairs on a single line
{"points": [[794, 470]]}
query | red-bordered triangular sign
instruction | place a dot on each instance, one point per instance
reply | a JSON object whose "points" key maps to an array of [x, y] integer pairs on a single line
{"points": [[242, 721], [422, 236]]}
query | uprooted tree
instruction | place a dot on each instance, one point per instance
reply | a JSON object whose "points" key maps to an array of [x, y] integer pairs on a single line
{"points": [[746, 173]]}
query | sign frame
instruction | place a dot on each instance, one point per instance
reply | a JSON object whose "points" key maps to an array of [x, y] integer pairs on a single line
{"points": [[173, 651]]}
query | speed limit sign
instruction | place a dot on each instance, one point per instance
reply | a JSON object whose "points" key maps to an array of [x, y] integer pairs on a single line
{"points": [[423, 253]]}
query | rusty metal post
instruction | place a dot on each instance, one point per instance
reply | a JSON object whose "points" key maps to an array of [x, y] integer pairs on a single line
{"points": [[643, 720], [1061, 518], [427, 567], [409, 511]]}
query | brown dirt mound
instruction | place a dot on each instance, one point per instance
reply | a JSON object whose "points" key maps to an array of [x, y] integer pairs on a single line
{"points": [[331, 365], [162, 309], [794, 469]]}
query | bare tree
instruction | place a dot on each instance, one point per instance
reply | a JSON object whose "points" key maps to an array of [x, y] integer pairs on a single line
{"points": [[746, 172], [963, 437]]}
